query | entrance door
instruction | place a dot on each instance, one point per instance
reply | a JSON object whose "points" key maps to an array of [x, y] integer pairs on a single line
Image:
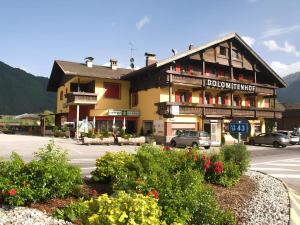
{"points": [[213, 130]]}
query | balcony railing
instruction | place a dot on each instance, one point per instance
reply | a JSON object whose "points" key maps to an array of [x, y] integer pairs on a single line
{"points": [[167, 109], [197, 79], [81, 98]]}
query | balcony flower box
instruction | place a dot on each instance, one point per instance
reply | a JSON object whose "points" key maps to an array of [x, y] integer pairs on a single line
{"points": [[105, 140], [132, 140]]}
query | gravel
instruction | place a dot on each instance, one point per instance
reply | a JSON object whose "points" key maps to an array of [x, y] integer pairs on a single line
{"points": [[27, 216], [270, 202]]}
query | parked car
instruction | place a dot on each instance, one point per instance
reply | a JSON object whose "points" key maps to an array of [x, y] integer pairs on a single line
{"points": [[294, 139], [275, 139], [194, 139]]}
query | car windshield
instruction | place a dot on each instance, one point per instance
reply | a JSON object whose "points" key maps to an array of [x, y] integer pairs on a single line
{"points": [[203, 134]]}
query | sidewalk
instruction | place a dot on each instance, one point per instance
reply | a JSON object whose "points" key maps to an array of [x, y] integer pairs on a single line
{"points": [[295, 207]]}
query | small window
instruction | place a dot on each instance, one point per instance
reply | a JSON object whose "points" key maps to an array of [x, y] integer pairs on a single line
{"points": [[183, 96], [61, 96], [235, 54], [112, 90], [223, 51]]}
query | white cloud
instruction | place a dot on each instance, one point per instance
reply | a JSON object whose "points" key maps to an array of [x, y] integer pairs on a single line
{"points": [[249, 40], [271, 32], [142, 22], [287, 48], [285, 69]]}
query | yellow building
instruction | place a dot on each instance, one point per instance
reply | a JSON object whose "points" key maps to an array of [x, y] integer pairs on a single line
{"points": [[203, 88]]}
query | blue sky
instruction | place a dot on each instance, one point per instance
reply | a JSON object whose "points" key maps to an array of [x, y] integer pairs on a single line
{"points": [[35, 33]]}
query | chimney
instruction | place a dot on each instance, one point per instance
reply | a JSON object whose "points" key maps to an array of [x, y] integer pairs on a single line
{"points": [[89, 61], [113, 64], [150, 58], [191, 46]]}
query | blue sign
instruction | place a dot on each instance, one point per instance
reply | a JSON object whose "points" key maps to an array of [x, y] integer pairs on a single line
{"points": [[241, 127]]}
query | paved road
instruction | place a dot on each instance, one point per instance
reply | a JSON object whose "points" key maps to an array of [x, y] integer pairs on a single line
{"points": [[283, 163], [81, 155]]}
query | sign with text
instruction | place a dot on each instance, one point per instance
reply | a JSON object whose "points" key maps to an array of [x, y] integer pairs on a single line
{"points": [[229, 85], [239, 128], [112, 112]]}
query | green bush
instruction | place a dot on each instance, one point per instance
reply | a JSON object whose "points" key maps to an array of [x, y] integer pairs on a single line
{"points": [[72, 212], [237, 154], [48, 176], [122, 208], [230, 175], [111, 166]]}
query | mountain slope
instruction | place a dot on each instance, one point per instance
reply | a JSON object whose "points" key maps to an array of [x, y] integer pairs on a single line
{"points": [[21, 92], [291, 94]]}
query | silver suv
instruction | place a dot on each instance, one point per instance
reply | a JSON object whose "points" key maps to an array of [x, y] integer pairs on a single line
{"points": [[274, 139], [194, 139]]}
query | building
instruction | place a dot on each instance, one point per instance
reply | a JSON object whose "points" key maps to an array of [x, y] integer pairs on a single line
{"points": [[202, 88], [290, 117]]}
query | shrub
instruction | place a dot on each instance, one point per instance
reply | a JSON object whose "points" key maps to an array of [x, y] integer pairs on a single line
{"points": [[122, 208], [48, 176], [230, 175], [112, 165], [72, 212], [237, 154]]}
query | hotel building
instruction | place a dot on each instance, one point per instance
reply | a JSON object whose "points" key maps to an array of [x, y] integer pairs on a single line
{"points": [[203, 88]]}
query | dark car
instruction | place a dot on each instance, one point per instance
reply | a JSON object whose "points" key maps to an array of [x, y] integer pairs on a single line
{"points": [[274, 139], [194, 139]]}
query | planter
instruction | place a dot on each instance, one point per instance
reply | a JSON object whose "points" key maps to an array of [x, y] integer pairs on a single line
{"points": [[89, 141], [135, 141]]}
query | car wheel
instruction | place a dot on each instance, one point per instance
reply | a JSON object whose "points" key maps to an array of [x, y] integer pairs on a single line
{"points": [[275, 144], [206, 147], [252, 142], [195, 145], [173, 144]]}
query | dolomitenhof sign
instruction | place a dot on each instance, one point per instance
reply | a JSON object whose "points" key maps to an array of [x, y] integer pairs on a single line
{"points": [[229, 85]]}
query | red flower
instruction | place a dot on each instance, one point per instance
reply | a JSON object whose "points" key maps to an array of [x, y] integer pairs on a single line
{"points": [[12, 192], [94, 193], [207, 164], [218, 167], [153, 193], [167, 148]]}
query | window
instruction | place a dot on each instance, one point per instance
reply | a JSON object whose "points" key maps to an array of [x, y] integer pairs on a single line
{"points": [[235, 54], [236, 101], [208, 99], [223, 51], [134, 99], [112, 90], [61, 95], [183, 96]]}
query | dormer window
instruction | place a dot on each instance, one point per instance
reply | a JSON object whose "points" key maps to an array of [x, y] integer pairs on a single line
{"points": [[235, 54], [223, 51]]}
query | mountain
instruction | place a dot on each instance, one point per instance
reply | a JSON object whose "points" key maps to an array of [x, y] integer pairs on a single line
{"points": [[22, 92], [291, 94]]}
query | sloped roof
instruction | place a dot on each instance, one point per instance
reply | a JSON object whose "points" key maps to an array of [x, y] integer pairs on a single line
{"points": [[65, 68], [205, 46]]}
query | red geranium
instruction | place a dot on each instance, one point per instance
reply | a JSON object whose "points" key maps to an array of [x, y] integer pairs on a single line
{"points": [[218, 167], [94, 193], [207, 164], [12, 192], [167, 148], [153, 193]]}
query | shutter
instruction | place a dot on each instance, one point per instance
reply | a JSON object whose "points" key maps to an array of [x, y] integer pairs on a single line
{"points": [[241, 76], [216, 99], [239, 101], [177, 96], [190, 68], [177, 68], [210, 100], [226, 100], [201, 99], [189, 97], [267, 103], [247, 102]]}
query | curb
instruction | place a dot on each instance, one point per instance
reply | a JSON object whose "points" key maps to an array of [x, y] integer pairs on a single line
{"points": [[286, 188]]}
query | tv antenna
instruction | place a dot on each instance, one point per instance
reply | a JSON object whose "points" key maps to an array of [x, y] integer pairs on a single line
{"points": [[132, 49]]}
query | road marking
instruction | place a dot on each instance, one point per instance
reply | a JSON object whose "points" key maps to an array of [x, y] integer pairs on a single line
{"points": [[274, 161], [296, 176], [281, 164], [86, 159], [88, 168], [273, 169]]}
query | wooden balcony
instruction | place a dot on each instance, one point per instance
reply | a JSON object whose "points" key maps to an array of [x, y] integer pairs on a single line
{"points": [[167, 109], [199, 80], [81, 98]]}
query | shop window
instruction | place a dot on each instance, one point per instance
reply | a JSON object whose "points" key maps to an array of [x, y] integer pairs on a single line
{"points": [[61, 95], [112, 90], [223, 51], [235, 54], [183, 96], [134, 99]]}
